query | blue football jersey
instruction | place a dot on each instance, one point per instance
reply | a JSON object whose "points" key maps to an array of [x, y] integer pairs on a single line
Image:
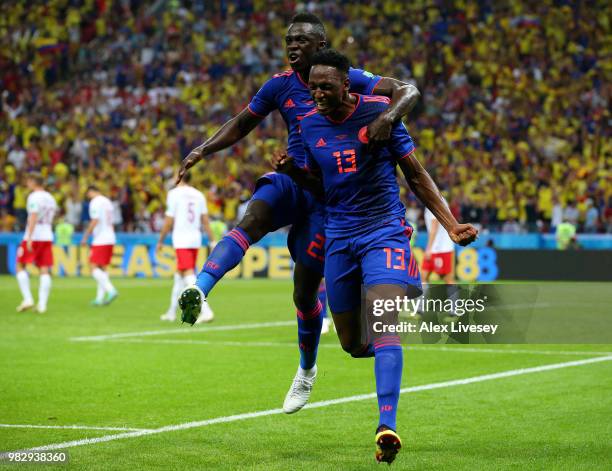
{"points": [[361, 190], [289, 94]]}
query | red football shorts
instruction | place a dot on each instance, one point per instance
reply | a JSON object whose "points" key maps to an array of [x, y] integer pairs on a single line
{"points": [[186, 259], [41, 254], [439, 263], [100, 255]]}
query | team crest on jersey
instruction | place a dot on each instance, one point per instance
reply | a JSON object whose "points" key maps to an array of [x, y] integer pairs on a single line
{"points": [[321, 143], [289, 104], [363, 135]]}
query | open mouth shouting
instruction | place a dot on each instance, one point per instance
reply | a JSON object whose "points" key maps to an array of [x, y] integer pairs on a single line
{"points": [[294, 57]]}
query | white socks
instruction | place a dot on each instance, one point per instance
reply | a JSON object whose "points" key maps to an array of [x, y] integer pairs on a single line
{"points": [[176, 290], [44, 289], [108, 286], [98, 276], [189, 280], [104, 284], [24, 286], [180, 282]]}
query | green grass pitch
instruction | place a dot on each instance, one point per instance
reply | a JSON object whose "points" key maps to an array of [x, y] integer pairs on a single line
{"points": [[552, 419]]}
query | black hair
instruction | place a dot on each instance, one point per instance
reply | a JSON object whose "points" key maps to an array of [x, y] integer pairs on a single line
{"points": [[313, 20], [93, 188], [186, 178], [332, 58]]}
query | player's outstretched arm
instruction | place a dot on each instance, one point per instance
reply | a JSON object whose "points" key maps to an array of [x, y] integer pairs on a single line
{"points": [[425, 189], [230, 133], [283, 163], [404, 97]]}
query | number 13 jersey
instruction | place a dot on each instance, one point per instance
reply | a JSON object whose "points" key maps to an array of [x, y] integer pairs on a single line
{"points": [[361, 190]]}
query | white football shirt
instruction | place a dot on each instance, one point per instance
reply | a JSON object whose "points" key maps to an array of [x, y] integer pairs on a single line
{"points": [[442, 242], [41, 203], [186, 205], [101, 208]]}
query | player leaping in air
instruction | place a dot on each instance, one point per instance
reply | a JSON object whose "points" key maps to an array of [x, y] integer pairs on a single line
{"points": [[277, 200], [367, 238]]}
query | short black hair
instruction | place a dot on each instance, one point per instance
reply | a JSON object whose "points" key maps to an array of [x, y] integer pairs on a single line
{"points": [[313, 20], [332, 58], [93, 188], [186, 178]]}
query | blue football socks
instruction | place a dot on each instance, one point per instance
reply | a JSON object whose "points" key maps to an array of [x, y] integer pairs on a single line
{"points": [[388, 364], [226, 255], [309, 333]]}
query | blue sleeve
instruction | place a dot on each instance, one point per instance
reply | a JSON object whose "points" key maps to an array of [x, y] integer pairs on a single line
{"points": [[264, 101], [362, 81], [401, 144]]}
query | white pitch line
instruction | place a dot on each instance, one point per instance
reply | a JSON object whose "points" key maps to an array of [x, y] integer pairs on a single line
{"points": [[75, 427], [461, 348], [314, 405], [433, 347], [183, 330], [224, 343]]}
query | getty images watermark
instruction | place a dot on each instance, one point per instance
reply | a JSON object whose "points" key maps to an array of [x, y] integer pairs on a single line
{"points": [[507, 313], [416, 308]]}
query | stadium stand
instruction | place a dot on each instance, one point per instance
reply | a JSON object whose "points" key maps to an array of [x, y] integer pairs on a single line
{"points": [[513, 123]]}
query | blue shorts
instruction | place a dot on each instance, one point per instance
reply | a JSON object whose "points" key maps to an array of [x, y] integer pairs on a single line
{"points": [[294, 206], [378, 256]]}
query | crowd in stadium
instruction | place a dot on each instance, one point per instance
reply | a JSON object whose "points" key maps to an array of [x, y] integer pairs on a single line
{"points": [[513, 122]]}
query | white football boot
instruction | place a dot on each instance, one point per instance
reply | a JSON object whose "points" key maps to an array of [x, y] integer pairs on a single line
{"points": [[300, 390], [24, 306]]}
